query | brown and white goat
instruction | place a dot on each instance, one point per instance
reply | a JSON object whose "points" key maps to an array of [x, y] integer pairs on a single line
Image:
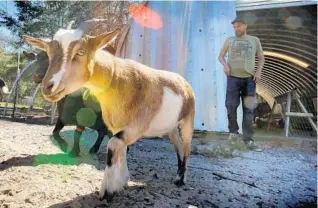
{"points": [[136, 100]]}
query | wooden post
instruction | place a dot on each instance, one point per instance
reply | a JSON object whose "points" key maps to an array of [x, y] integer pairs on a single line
{"points": [[303, 109], [287, 111], [54, 105], [16, 88], [297, 114], [15, 84], [33, 98], [271, 116]]}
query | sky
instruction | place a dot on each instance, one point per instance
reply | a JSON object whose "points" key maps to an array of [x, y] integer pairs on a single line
{"points": [[9, 7]]}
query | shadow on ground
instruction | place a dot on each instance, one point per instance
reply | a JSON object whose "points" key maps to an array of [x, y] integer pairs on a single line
{"points": [[44, 159]]}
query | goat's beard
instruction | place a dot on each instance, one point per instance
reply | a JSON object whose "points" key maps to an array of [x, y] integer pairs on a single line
{"points": [[55, 98], [58, 94]]}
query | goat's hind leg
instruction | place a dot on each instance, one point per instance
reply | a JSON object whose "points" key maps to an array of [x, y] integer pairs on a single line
{"points": [[181, 138], [178, 144]]}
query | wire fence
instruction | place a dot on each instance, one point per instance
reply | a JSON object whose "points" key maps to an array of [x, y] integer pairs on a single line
{"points": [[300, 126]]}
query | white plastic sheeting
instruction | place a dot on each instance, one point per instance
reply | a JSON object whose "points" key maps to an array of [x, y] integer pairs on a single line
{"points": [[189, 43]]}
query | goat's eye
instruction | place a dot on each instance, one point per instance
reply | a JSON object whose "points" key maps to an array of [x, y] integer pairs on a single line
{"points": [[81, 52]]}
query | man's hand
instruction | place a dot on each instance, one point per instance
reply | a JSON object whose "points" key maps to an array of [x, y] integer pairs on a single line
{"points": [[226, 67], [226, 70], [257, 77]]}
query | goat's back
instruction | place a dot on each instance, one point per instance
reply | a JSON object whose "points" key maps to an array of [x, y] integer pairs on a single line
{"points": [[139, 94]]}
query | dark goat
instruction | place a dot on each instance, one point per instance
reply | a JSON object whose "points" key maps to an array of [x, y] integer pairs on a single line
{"points": [[73, 109], [262, 110]]}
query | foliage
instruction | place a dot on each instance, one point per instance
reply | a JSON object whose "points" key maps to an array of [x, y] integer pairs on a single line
{"points": [[8, 71], [43, 19]]}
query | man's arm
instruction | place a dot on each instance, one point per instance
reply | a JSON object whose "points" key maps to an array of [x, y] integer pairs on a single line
{"points": [[222, 60], [261, 61]]}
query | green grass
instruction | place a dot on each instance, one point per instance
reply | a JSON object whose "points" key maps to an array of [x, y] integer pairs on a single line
{"points": [[10, 105], [221, 150]]}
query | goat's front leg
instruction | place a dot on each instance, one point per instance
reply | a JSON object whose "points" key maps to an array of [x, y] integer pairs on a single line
{"points": [[57, 137], [77, 134], [116, 174]]}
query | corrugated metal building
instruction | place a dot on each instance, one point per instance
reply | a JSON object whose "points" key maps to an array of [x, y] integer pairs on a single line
{"points": [[245, 5], [189, 43], [288, 33]]}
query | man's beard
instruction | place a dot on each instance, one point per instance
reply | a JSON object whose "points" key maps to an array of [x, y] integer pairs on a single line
{"points": [[239, 34]]}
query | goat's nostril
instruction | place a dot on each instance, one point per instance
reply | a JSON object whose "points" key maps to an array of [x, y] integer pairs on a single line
{"points": [[50, 86]]}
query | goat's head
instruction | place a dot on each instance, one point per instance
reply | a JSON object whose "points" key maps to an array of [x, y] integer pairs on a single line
{"points": [[71, 58], [41, 65]]}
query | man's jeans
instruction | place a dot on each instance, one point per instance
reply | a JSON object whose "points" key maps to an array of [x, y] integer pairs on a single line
{"points": [[245, 89]]}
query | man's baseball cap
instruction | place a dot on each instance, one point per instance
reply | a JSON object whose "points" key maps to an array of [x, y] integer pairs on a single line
{"points": [[239, 19]]}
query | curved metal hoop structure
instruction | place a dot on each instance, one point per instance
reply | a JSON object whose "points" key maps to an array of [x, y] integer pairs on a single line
{"points": [[289, 39]]}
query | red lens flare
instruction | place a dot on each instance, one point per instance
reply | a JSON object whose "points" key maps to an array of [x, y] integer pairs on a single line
{"points": [[145, 16]]}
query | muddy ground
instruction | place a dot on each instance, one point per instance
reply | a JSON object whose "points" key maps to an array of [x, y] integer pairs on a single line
{"points": [[35, 173]]}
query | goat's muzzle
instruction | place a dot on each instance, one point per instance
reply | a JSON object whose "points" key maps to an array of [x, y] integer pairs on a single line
{"points": [[49, 94]]}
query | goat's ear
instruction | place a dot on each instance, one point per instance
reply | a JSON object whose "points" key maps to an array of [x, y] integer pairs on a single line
{"points": [[40, 43], [29, 55], [101, 40]]}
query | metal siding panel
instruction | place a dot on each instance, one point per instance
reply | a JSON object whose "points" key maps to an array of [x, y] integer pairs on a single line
{"points": [[196, 45], [174, 35], [154, 48], [159, 47], [243, 5], [136, 44], [147, 47], [181, 47], [221, 29], [166, 7]]}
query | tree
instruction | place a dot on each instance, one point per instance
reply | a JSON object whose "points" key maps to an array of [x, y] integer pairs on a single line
{"points": [[43, 19], [28, 13]]}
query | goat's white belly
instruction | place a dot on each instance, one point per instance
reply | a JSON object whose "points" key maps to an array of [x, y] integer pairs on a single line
{"points": [[167, 117]]}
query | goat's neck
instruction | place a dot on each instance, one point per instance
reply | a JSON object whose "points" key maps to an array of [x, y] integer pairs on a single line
{"points": [[102, 73]]}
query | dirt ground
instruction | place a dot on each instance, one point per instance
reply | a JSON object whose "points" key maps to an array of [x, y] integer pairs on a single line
{"points": [[34, 172]]}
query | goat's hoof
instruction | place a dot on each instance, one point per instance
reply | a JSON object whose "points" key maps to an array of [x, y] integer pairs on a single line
{"points": [[63, 145], [108, 196], [127, 149], [74, 153], [179, 181], [93, 151]]}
